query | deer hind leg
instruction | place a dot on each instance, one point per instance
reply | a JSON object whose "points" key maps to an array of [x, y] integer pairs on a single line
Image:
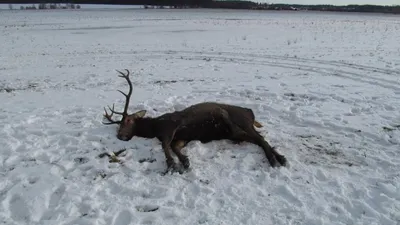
{"points": [[177, 146], [268, 150], [254, 137], [235, 129], [251, 135]]}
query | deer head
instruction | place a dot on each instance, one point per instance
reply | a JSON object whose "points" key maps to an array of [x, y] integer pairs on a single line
{"points": [[126, 128]]}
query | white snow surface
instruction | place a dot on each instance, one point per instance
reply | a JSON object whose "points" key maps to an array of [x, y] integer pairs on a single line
{"points": [[326, 87]]}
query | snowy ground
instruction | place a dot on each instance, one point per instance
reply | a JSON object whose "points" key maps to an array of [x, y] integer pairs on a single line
{"points": [[325, 86]]}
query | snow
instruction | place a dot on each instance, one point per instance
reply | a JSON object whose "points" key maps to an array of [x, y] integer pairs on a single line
{"points": [[326, 87]]}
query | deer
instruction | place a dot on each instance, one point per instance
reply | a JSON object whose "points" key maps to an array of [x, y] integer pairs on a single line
{"points": [[204, 122]]}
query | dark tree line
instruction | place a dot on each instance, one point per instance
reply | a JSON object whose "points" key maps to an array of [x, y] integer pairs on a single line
{"points": [[347, 8], [198, 3], [227, 4], [237, 4], [234, 4]]}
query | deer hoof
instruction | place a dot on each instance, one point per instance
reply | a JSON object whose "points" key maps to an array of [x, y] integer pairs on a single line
{"points": [[174, 168], [282, 160], [273, 162], [170, 163], [186, 163]]}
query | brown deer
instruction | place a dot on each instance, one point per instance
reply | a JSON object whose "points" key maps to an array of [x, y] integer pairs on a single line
{"points": [[205, 122]]}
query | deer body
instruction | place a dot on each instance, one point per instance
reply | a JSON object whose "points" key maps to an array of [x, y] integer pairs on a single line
{"points": [[205, 122], [198, 122]]}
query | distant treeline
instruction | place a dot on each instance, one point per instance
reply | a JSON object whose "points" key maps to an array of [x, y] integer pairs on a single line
{"points": [[347, 8], [193, 3], [265, 6], [226, 4]]}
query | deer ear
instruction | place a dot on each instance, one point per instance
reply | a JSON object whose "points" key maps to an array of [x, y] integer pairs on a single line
{"points": [[140, 114]]}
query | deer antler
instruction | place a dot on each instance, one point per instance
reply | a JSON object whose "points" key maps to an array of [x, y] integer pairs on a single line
{"points": [[127, 96], [127, 99], [109, 117]]}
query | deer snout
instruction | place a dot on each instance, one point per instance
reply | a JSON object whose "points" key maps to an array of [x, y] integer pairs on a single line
{"points": [[123, 137]]}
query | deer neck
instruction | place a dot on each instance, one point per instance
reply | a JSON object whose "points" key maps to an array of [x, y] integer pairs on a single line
{"points": [[145, 127]]}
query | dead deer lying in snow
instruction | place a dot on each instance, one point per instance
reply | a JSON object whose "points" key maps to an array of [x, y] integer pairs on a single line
{"points": [[205, 122]]}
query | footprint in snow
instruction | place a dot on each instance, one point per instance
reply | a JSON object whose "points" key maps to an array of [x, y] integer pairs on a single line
{"points": [[18, 208], [123, 218], [389, 108], [147, 208], [81, 160], [56, 196], [288, 194], [54, 201], [217, 204], [355, 110]]}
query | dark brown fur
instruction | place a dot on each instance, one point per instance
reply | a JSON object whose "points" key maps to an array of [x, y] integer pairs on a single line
{"points": [[205, 122]]}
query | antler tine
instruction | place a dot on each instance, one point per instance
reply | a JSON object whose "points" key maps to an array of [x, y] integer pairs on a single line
{"points": [[127, 96], [113, 111], [109, 117]]}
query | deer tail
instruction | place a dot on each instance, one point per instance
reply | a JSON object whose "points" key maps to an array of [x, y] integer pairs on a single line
{"points": [[257, 124]]}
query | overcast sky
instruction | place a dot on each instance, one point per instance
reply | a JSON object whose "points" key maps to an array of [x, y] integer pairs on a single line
{"points": [[335, 2]]}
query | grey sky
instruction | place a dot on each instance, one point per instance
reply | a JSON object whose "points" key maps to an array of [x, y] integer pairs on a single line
{"points": [[335, 2]]}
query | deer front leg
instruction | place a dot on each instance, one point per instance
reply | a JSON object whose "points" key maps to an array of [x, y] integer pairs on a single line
{"points": [[171, 165], [168, 156], [177, 146]]}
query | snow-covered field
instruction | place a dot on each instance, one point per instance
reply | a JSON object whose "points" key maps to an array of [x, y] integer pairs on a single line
{"points": [[325, 86]]}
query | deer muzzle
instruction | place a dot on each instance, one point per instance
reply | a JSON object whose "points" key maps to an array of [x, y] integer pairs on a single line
{"points": [[123, 137]]}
